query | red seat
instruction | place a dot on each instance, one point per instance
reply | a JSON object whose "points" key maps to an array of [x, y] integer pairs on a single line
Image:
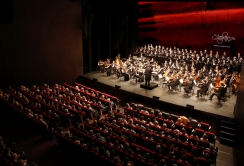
{"points": [[168, 122], [188, 129], [169, 161], [186, 147], [211, 137], [190, 157], [160, 121], [166, 115], [179, 163], [178, 153], [174, 117], [146, 163], [205, 126], [183, 138], [199, 132], [203, 162], [179, 126], [213, 155]]}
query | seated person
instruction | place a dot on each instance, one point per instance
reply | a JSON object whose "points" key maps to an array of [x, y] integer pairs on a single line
{"points": [[113, 156], [203, 88], [183, 160], [127, 148], [159, 149], [189, 86], [148, 158], [175, 82], [137, 152], [219, 93]]}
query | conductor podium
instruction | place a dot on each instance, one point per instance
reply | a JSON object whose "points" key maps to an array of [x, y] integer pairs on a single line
{"points": [[151, 87]]}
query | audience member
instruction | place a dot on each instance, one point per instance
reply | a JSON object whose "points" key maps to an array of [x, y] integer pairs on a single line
{"points": [[183, 160]]}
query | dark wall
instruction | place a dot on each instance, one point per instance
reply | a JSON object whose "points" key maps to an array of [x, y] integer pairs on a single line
{"points": [[43, 44], [239, 116]]}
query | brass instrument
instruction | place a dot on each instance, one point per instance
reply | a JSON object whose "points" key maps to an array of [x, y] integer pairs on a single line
{"points": [[166, 73]]}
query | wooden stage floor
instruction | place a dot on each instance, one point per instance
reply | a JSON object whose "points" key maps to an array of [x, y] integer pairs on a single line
{"points": [[226, 108]]}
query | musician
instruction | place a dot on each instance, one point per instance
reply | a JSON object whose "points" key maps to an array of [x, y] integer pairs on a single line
{"points": [[148, 74], [135, 74], [227, 79], [175, 82], [189, 85], [108, 68], [219, 93], [203, 88], [101, 66]]}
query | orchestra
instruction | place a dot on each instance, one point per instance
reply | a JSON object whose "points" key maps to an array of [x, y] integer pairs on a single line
{"points": [[170, 64]]}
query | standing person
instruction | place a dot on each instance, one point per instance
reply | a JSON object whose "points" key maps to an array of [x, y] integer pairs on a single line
{"points": [[148, 73]]}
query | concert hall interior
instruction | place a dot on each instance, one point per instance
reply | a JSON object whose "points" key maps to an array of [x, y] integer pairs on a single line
{"points": [[125, 82]]}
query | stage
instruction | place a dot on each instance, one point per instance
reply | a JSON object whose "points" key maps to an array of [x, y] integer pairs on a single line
{"points": [[161, 93]]}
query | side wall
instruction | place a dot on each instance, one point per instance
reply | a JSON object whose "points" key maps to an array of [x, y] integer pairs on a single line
{"points": [[43, 44]]}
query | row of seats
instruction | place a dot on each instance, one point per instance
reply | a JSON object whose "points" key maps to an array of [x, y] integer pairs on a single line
{"points": [[98, 158], [143, 149], [169, 119], [4, 161], [135, 159], [115, 99], [192, 122], [78, 114], [143, 137], [183, 138], [132, 110]]}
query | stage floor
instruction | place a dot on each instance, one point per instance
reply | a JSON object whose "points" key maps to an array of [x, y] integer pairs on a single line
{"points": [[226, 108]]}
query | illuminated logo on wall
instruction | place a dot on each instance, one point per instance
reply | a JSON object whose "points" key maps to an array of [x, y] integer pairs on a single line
{"points": [[223, 37]]}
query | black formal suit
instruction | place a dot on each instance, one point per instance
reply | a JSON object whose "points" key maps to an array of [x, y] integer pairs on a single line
{"points": [[203, 89], [219, 93], [148, 74], [189, 86], [173, 83]]}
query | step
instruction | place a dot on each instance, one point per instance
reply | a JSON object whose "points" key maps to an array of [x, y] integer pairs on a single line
{"points": [[226, 141], [228, 123], [227, 135], [228, 129]]}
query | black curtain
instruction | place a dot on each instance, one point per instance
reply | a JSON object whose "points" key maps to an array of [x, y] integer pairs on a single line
{"points": [[110, 28]]}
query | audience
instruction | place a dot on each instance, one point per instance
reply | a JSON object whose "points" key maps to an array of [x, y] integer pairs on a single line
{"points": [[118, 123]]}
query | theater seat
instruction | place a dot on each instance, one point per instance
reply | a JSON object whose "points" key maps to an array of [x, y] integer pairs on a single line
{"points": [[205, 126]]}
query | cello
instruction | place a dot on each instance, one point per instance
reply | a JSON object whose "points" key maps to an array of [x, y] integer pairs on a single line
{"points": [[236, 84]]}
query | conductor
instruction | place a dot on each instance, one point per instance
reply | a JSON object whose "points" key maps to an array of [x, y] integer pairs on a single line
{"points": [[148, 73]]}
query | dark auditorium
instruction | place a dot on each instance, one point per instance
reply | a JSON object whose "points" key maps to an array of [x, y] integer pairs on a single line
{"points": [[121, 83]]}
